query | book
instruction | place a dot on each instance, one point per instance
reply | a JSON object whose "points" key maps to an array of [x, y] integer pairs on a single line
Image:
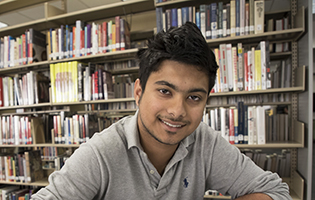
{"points": [[259, 7], [233, 18], [231, 125]]}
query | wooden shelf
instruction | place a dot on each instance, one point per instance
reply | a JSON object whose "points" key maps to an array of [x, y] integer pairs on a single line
{"points": [[43, 182], [103, 57], [12, 5]]}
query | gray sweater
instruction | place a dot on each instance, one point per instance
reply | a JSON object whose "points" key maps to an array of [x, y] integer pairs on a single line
{"points": [[112, 165]]}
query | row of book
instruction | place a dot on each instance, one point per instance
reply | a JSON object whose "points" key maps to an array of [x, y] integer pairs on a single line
{"points": [[84, 39], [279, 163], [250, 124], [75, 81], [249, 68], [25, 49], [24, 167], [13, 192], [74, 129], [30, 88], [21, 130], [216, 20]]}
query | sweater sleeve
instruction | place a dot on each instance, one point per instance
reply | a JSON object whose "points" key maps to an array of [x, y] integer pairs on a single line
{"points": [[75, 180], [235, 174]]}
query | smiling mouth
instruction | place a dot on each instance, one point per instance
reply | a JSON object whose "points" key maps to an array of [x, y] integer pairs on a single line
{"points": [[172, 125]]}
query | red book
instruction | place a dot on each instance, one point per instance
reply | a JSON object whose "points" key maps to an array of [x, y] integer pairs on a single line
{"points": [[231, 118], [1, 92], [24, 48], [82, 43], [96, 84], [83, 128], [73, 41], [29, 133], [55, 129]]}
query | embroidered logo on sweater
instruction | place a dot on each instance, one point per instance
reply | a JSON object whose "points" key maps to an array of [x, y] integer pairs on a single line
{"points": [[186, 182]]}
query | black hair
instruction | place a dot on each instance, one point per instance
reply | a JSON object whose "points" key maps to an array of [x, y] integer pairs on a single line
{"points": [[183, 44]]}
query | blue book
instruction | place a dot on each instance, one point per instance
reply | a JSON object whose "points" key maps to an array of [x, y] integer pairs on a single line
{"points": [[174, 17], [159, 18], [71, 45], [241, 119], [214, 24], [67, 42], [208, 21], [198, 20], [245, 124], [237, 16], [185, 15]]}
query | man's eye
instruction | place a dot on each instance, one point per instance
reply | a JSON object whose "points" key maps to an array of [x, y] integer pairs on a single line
{"points": [[164, 91], [194, 98]]}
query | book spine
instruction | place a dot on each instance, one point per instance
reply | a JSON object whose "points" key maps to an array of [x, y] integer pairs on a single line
{"points": [[241, 123], [259, 16], [240, 83], [251, 17], [233, 18], [237, 17], [257, 69], [208, 20], [214, 24], [220, 19], [231, 120]]}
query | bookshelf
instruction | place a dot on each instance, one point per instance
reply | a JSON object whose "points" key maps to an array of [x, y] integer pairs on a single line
{"points": [[297, 35]]}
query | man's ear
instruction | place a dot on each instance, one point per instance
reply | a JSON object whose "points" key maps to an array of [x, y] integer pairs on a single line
{"points": [[137, 91]]}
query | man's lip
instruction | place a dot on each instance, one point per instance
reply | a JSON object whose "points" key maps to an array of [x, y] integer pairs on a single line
{"points": [[173, 124]]}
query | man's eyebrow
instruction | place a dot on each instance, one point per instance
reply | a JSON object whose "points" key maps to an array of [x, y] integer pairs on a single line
{"points": [[176, 89]]}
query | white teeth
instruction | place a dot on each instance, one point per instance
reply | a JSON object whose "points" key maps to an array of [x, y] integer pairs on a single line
{"points": [[171, 125]]}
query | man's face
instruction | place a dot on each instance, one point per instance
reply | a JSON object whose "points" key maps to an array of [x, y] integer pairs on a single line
{"points": [[171, 107]]}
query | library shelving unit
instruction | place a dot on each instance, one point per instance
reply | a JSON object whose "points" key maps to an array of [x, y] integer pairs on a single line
{"points": [[301, 97], [293, 35], [133, 10]]}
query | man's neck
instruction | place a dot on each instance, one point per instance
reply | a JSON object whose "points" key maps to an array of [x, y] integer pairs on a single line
{"points": [[159, 154]]}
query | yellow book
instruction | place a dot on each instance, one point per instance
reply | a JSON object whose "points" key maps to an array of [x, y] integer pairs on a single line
{"points": [[113, 37], [232, 18], [218, 82], [13, 169], [257, 79], [58, 83], [53, 83], [48, 45], [75, 80]]}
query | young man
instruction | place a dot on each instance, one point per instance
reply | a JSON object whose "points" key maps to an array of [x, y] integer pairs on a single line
{"points": [[164, 151]]}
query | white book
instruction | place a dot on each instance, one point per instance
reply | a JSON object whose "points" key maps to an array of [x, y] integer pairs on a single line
{"points": [[234, 66], [253, 68], [16, 130], [229, 66], [263, 65], [224, 131], [212, 119], [5, 83], [250, 119], [94, 39], [179, 17], [223, 67], [6, 51], [12, 43], [224, 23], [250, 72], [11, 91], [260, 127], [78, 25]]}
